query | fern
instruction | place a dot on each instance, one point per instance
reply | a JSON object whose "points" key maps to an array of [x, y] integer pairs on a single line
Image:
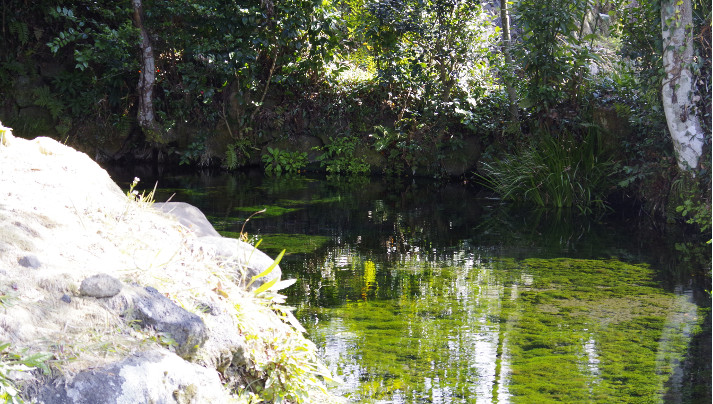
{"points": [[231, 158], [20, 29], [45, 99]]}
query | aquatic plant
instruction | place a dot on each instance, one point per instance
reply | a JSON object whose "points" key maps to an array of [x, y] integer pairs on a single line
{"points": [[536, 330], [556, 171]]}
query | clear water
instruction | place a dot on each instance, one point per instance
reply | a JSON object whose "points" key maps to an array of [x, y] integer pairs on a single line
{"points": [[418, 292]]}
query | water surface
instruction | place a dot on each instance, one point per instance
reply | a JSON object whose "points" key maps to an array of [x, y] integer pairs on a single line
{"points": [[418, 292]]}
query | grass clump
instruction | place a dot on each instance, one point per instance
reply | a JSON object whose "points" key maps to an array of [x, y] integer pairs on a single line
{"points": [[567, 171]]}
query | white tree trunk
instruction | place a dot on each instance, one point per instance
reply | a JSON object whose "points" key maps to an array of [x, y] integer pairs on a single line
{"points": [[147, 77], [507, 45], [679, 83]]}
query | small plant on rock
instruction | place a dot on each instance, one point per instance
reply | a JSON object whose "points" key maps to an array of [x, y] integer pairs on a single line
{"points": [[282, 362], [11, 362]]}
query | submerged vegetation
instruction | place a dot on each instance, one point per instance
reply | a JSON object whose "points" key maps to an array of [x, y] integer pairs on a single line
{"points": [[536, 330], [419, 291]]}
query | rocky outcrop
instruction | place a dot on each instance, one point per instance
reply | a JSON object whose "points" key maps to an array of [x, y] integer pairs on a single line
{"points": [[153, 376], [243, 258], [135, 303], [186, 329], [189, 216]]}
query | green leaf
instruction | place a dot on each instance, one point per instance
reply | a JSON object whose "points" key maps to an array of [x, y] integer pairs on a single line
{"points": [[268, 270], [265, 286]]}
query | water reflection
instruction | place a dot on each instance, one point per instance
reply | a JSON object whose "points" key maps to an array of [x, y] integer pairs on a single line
{"points": [[430, 293]]}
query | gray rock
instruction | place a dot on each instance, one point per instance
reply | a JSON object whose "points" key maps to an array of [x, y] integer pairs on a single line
{"points": [[462, 160], [147, 377], [100, 285], [155, 310], [189, 216], [30, 261], [245, 258], [242, 256], [40, 118], [66, 298]]}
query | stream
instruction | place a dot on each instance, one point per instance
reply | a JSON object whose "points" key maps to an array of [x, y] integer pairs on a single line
{"points": [[423, 292]]}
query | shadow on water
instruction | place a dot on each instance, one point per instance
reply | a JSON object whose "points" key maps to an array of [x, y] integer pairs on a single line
{"points": [[423, 292]]}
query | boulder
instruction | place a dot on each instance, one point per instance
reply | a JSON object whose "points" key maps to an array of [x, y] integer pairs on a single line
{"points": [[189, 216], [464, 159], [100, 285], [155, 310], [155, 376], [244, 258], [30, 261]]}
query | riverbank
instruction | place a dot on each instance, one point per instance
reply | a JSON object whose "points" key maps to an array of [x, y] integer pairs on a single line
{"points": [[121, 301]]}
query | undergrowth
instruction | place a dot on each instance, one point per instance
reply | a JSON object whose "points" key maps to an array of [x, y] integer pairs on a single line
{"points": [[282, 365], [562, 171]]}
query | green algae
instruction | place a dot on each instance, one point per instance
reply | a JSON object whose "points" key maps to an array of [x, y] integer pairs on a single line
{"points": [[530, 331], [270, 210], [292, 243], [310, 201]]}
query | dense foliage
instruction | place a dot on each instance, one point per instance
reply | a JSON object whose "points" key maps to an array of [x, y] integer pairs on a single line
{"points": [[392, 86]]}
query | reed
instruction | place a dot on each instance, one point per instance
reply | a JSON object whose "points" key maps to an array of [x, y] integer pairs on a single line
{"points": [[565, 171]]}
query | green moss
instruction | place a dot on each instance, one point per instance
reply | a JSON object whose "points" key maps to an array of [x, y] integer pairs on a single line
{"points": [[291, 243], [270, 210], [542, 330], [300, 202]]}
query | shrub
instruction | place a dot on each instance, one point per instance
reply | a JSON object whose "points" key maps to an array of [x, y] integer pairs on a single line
{"points": [[339, 157], [278, 161]]}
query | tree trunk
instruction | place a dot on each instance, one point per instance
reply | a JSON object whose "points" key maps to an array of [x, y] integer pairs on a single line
{"points": [[678, 85], [512, 94], [147, 77]]}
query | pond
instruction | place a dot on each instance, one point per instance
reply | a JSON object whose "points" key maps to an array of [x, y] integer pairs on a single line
{"points": [[423, 292]]}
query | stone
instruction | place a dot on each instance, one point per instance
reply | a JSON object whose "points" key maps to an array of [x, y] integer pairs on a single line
{"points": [[100, 285], [189, 216], [247, 260], [155, 376], [66, 298], [462, 160], [30, 261], [22, 90], [38, 118], [155, 310]]}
